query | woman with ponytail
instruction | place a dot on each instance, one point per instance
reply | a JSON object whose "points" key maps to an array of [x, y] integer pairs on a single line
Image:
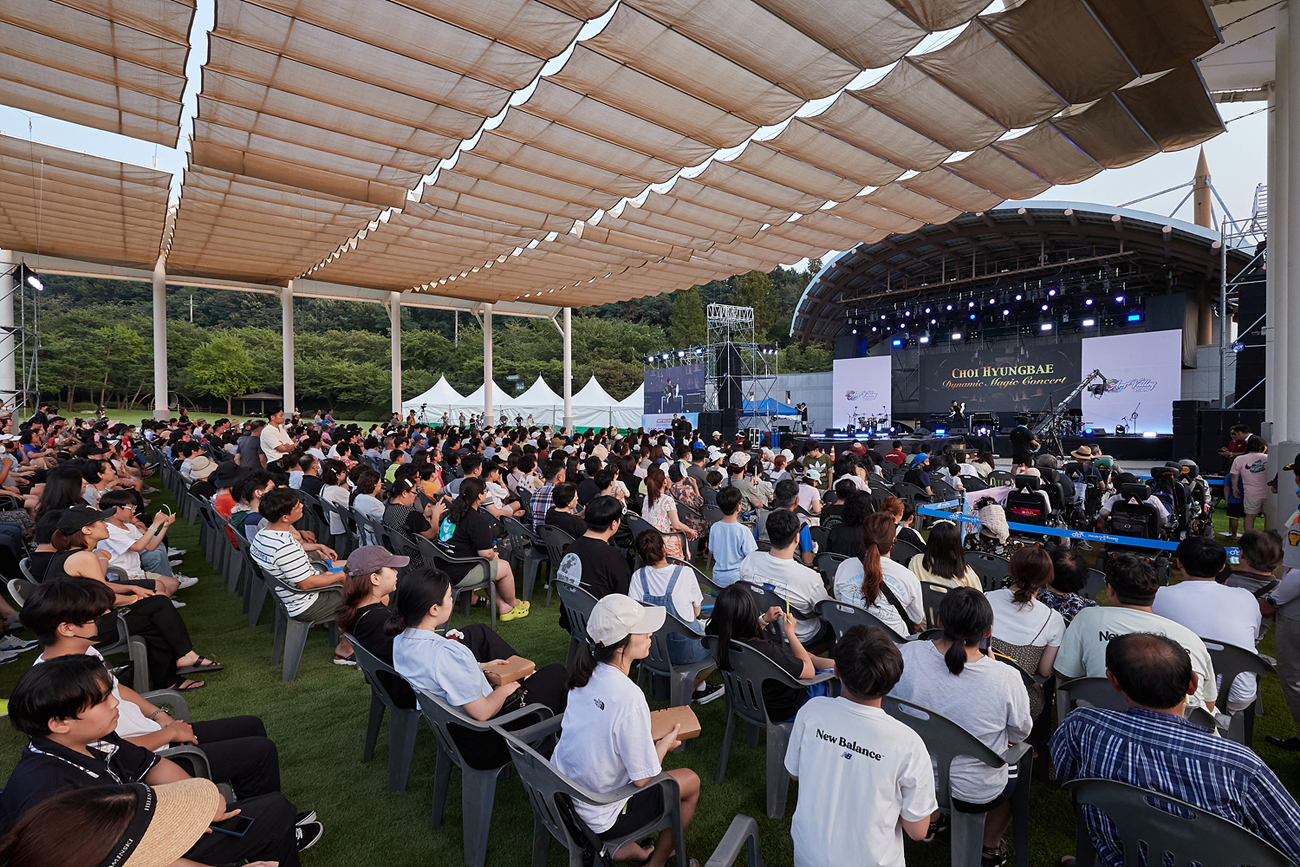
{"points": [[605, 741], [1024, 628], [954, 677], [887, 590], [467, 532], [451, 666]]}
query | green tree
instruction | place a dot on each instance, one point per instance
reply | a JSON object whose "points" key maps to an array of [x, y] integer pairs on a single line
{"points": [[116, 349], [688, 327], [757, 290], [222, 368]]}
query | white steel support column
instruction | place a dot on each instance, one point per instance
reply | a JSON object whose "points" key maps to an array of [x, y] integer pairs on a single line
{"points": [[487, 362], [160, 410], [568, 369], [286, 340], [1289, 150], [8, 286], [395, 329]]}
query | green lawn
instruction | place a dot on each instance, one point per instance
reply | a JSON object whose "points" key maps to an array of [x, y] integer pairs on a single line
{"points": [[318, 722]]}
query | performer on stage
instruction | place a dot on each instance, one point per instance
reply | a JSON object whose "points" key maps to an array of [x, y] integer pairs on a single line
{"points": [[1023, 444], [957, 414]]}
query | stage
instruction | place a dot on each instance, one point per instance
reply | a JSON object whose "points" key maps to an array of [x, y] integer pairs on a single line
{"points": [[1123, 447]]}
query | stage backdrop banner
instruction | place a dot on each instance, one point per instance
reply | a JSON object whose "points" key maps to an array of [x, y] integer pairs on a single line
{"points": [[1144, 375], [674, 389], [1010, 378], [861, 390]]}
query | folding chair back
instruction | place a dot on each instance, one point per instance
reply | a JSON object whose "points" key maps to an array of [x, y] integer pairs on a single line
{"points": [[388, 690], [578, 602], [903, 552], [680, 676], [1230, 661], [1170, 829], [994, 571], [828, 563], [556, 542], [525, 557], [842, 617], [479, 576], [931, 596], [1087, 692]]}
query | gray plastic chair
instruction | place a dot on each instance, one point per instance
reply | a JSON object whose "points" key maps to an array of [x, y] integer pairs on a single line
{"points": [[741, 834], [828, 563], [931, 596], [1196, 837], [556, 542], [945, 741], [638, 525], [819, 535], [135, 649], [903, 552], [578, 602], [187, 755], [21, 588], [842, 617], [994, 571], [701, 577], [680, 677], [477, 578], [547, 788], [290, 631], [525, 558], [477, 787], [750, 669], [403, 722], [347, 541], [1229, 661]]}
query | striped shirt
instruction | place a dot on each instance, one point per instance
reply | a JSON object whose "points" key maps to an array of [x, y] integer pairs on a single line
{"points": [[280, 554], [1167, 754]]}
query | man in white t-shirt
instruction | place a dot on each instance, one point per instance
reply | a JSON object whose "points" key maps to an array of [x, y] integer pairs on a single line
{"points": [[1131, 585], [869, 774], [788, 579], [1213, 611], [276, 442]]}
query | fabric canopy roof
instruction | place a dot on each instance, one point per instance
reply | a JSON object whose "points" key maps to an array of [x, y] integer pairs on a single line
{"points": [[575, 152]]}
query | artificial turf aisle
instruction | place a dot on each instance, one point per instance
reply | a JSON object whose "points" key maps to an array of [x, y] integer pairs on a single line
{"points": [[318, 721]]}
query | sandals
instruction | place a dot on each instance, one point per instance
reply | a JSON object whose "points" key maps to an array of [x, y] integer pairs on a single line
{"points": [[519, 612], [187, 685], [203, 665]]}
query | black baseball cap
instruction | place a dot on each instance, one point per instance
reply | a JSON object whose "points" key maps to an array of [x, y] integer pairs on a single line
{"points": [[79, 517]]}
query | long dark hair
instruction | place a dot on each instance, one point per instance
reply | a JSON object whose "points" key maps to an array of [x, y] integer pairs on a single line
{"points": [[878, 538], [470, 489], [735, 616], [417, 592], [966, 617], [333, 472], [62, 489], [100, 815], [944, 555], [654, 486], [1031, 570]]}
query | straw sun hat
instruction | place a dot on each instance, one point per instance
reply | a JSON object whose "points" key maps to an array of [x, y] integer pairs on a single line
{"points": [[171, 819]]}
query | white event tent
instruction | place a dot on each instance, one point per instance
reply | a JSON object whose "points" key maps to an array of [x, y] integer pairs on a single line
{"points": [[434, 402], [592, 406]]}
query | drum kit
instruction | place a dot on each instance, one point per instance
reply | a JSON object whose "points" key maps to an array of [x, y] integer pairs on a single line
{"points": [[871, 425]]}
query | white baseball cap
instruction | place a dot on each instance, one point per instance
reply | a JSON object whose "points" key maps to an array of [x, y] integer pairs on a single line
{"points": [[616, 616]]}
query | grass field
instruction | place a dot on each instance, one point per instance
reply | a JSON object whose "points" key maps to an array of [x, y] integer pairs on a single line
{"points": [[318, 723]]}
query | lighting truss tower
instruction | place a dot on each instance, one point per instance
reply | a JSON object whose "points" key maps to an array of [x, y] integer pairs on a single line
{"points": [[1239, 234], [738, 364], [25, 333]]}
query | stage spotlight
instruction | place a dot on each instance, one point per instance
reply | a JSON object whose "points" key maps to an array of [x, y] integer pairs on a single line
{"points": [[1135, 316], [1006, 312], [1051, 293], [1019, 297], [1149, 434], [942, 431], [681, 353], [1087, 431], [949, 307], [1088, 303], [1045, 308], [993, 301], [699, 350], [956, 335], [1088, 323], [924, 338], [972, 316], [873, 328], [855, 331], [1119, 299], [1238, 346], [665, 356], [971, 304], [896, 342], [882, 316], [28, 276], [934, 321], [907, 312], [1046, 326]]}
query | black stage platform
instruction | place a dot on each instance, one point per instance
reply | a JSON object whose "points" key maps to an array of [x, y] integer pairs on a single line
{"points": [[1120, 447]]}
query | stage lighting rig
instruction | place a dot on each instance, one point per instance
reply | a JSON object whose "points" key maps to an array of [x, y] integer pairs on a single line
{"points": [[26, 275]]}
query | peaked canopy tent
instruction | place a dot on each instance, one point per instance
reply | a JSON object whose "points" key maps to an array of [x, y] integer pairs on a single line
{"points": [[475, 402], [433, 403], [593, 407], [530, 156], [539, 401]]}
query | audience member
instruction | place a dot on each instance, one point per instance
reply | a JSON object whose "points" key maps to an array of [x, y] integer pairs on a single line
{"points": [[778, 571], [730, 541], [1070, 574], [846, 537], [953, 677], [869, 777], [885, 589], [1261, 554], [605, 741], [1156, 676], [467, 533], [943, 561], [1131, 585]]}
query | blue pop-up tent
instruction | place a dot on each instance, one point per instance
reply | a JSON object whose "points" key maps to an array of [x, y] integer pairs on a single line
{"points": [[769, 406]]}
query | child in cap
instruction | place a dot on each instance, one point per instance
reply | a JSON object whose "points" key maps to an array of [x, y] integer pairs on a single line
{"points": [[872, 773], [606, 743]]}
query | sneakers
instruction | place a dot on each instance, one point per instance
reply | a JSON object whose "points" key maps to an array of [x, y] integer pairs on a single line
{"points": [[175, 562], [519, 612], [177, 552], [937, 826], [176, 603], [304, 817], [18, 645], [186, 581], [707, 693], [8, 656], [307, 834], [350, 659]]}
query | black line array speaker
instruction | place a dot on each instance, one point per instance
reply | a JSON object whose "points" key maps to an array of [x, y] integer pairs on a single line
{"points": [[1212, 434], [731, 373], [1251, 303]]}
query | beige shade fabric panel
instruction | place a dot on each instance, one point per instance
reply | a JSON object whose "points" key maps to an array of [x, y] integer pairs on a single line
{"points": [[61, 203], [85, 66], [867, 33], [237, 227]]}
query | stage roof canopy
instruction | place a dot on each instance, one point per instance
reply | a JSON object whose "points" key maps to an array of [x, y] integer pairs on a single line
{"points": [[573, 152]]}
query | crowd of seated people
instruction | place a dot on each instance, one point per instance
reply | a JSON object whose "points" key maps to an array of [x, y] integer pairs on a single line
{"points": [[97, 553]]}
